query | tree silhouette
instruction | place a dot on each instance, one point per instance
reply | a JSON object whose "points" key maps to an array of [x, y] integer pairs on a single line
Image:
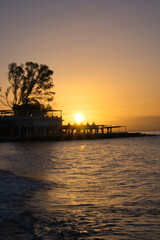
{"points": [[30, 85]]}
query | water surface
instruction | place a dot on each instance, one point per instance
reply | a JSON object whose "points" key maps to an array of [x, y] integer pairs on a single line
{"points": [[100, 189]]}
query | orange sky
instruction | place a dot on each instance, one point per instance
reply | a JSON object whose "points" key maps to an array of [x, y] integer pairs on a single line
{"points": [[105, 55]]}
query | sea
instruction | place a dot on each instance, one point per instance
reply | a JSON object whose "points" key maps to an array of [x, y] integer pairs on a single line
{"points": [[84, 189]]}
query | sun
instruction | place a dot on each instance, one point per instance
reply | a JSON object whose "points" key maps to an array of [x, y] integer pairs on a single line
{"points": [[78, 117]]}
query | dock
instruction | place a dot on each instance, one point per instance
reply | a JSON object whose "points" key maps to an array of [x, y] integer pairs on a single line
{"points": [[32, 126]]}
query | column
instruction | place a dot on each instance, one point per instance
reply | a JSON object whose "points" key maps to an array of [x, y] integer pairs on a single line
{"points": [[19, 131]]}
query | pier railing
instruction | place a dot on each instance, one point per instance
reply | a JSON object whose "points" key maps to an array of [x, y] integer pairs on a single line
{"points": [[33, 113]]}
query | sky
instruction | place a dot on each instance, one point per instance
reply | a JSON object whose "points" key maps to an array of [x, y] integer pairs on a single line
{"points": [[105, 55]]}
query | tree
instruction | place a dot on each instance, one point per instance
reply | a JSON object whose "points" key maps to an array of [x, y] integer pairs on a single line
{"points": [[31, 85]]}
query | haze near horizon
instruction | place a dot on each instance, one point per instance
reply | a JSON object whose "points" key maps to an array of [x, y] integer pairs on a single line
{"points": [[104, 53]]}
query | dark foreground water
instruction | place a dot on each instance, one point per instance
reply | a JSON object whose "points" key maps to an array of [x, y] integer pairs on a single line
{"points": [[101, 189]]}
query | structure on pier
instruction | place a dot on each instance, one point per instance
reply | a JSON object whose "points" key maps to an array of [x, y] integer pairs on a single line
{"points": [[17, 125], [88, 129], [26, 124]]}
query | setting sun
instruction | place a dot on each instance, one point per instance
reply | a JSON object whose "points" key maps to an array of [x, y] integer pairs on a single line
{"points": [[78, 118]]}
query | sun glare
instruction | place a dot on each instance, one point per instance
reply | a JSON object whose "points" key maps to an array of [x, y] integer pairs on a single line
{"points": [[78, 118]]}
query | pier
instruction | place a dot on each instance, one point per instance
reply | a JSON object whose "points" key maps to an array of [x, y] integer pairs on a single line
{"points": [[24, 125]]}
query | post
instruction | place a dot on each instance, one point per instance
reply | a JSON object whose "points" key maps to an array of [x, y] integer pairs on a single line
{"points": [[44, 131], [102, 129], [26, 131], [19, 131]]}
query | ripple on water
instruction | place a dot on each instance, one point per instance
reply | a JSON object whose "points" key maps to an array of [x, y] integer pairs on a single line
{"points": [[102, 189]]}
